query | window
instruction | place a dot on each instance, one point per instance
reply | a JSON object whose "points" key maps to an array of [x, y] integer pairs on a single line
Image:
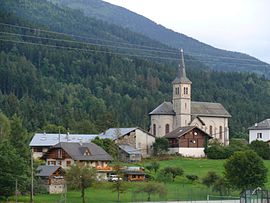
{"points": [[220, 132], [59, 163], [185, 105], [51, 163], [59, 153], [154, 129], [259, 135], [185, 90], [167, 128], [68, 163], [211, 130]]}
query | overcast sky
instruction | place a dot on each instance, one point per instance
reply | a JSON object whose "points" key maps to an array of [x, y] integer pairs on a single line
{"points": [[236, 25]]}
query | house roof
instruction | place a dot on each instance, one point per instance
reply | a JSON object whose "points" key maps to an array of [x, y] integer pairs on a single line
{"points": [[46, 171], [129, 149], [51, 139], [178, 132], [207, 109], [263, 125], [77, 151], [111, 132]]}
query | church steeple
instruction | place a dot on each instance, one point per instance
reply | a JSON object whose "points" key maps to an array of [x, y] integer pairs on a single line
{"points": [[181, 96], [181, 75]]}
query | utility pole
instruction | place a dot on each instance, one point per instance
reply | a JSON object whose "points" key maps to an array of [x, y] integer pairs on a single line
{"points": [[16, 191], [32, 179]]}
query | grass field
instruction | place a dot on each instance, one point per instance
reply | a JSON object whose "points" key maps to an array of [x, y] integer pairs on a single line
{"points": [[181, 189]]}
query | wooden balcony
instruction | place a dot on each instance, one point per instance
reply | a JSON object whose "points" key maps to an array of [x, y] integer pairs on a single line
{"points": [[104, 168]]}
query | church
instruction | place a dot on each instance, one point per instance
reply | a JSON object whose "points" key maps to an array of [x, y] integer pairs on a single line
{"points": [[211, 118]]}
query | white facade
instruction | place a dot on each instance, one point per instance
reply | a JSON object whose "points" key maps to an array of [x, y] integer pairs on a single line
{"points": [[262, 135], [188, 152], [144, 142], [159, 122]]}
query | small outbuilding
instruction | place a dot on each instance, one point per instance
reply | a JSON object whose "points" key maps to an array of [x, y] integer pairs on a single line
{"points": [[129, 154]]}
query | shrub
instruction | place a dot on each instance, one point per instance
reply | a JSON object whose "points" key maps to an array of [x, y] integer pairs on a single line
{"points": [[192, 178]]}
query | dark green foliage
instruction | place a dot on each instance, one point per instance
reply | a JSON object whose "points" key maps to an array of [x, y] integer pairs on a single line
{"points": [[175, 171], [164, 177], [108, 145], [192, 178], [80, 178], [13, 168], [4, 127], [210, 179], [151, 188], [153, 166], [261, 148], [161, 146], [221, 186], [245, 170], [218, 151]]}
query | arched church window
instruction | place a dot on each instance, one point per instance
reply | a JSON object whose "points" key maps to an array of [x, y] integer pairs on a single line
{"points": [[154, 129], [211, 130], [185, 105], [220, 132], [167, 128]]}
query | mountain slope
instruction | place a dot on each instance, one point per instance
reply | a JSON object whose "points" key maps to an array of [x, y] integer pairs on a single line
{"points": [[217, 59]]}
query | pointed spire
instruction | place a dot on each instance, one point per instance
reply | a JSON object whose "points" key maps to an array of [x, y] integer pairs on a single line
{"points": [[181, 75], [182, 68]]}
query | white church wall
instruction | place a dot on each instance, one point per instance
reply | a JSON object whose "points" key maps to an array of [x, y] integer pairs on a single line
{"points": [[160, 121]]}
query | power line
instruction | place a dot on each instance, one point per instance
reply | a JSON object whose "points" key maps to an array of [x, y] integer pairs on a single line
{"points": [[130, 44], [118, 53]]}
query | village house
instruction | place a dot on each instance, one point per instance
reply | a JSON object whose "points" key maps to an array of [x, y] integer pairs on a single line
{"points": [[135, 137], [168, 116], [189, 141], [65, 154], [42, 142], [260, 131], [134, 173], [52, 178], [129, 154]]}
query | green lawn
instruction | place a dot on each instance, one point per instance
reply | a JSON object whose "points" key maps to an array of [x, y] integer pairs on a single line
{"points": [[181, 189]]}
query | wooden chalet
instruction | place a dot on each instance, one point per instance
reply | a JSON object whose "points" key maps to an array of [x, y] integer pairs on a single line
{"points": [[86, 154], [134, 174], [188, 141]]}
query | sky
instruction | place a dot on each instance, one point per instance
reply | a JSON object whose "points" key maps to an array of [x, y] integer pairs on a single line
{"points": [[235, 25]]}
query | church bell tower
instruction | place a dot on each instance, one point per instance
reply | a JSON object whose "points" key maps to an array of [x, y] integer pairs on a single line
{"points": [[181, 96]]}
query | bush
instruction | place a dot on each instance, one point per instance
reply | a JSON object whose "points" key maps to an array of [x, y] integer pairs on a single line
{"points": [[164, 177], [192, 178], [210, 179], [261, 148]]}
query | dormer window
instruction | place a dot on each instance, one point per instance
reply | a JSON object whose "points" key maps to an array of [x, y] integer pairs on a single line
{"points": [[87, 152]]}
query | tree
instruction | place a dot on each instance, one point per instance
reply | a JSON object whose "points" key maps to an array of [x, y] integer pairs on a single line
{"points": [[13, 168], [175, 171], [80, 177], [161, 146], [4, 127], [153, 166], [151, 188], [108, 145], [245, 170], [221, 186], [261, 148], [210, 179]]}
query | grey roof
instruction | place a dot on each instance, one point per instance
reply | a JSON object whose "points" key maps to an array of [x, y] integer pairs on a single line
{"points": [[166, 108], [46, 171], [178, 132], [207, 109], [77, 150], [111, 132], [181, 75], [51, 139], [263, 125], [129, 149]]}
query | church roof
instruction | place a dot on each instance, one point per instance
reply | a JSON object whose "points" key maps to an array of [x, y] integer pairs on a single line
{"points": [[207, 109], [263, 125], [166, 108]]}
